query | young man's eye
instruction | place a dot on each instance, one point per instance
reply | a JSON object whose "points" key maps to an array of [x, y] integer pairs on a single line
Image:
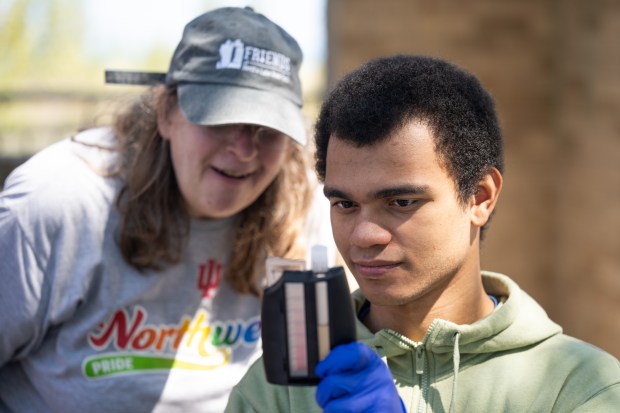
{"points": [[403, 203], [343, 204]]}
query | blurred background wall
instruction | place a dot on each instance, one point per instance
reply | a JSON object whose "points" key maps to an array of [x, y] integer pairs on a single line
{"points": [[553, 67]]}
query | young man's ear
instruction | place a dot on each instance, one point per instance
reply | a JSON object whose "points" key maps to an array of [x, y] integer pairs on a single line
{"points": [[484, 200]]}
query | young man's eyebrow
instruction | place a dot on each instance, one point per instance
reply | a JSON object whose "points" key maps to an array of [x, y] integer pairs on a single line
{"points": [[400, 190], [333, 193], [381, 193]]}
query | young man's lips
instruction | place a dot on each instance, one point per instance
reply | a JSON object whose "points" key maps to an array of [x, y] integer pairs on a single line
{"points": [[375, 267]]}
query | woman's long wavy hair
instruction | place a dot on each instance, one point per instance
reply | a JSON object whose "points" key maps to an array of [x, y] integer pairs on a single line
{"points": [[155, 223]]}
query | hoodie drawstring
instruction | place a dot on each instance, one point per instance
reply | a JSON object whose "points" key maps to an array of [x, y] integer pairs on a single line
{"points": [[456, 360]]}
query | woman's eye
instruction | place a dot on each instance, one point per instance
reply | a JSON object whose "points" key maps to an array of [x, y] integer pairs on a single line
{"points": [[265, 133], [268, 138]]}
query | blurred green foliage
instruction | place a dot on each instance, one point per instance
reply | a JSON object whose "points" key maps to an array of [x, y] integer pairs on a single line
{"points": [[41, 43], [49, 85]]}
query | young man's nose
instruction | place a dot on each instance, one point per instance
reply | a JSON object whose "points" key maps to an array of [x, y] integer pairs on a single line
{"points": [[367, 233]]}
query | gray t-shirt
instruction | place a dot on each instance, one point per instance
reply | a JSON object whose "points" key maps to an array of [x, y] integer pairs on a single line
{"points": [[80, 330]]}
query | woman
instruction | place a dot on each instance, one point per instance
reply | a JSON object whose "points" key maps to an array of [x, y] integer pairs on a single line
{"points": [[133, 256]]}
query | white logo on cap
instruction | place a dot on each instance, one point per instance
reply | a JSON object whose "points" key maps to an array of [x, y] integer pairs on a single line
{"points": [[235, 55], [231, 55]]}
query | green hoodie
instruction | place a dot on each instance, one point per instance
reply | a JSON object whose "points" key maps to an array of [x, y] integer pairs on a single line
{"points": [[514, 360]]}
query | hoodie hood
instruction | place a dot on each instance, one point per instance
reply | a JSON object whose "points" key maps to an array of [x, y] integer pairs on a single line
{"points": [[518, 322]]}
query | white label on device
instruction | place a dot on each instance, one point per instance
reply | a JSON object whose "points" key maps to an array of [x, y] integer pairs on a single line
{"points": [[296, 329]]}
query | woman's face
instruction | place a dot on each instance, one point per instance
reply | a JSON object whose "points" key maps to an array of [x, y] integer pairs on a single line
{"points": [[221, 170]]}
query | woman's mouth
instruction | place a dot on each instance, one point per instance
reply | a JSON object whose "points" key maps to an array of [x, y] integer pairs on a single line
{"points": [[231, 174]]}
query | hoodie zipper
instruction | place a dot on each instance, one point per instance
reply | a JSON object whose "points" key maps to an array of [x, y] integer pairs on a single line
{"points": [[420, 364]]}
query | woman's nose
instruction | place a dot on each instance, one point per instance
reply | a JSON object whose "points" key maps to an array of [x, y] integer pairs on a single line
{"points": [[242, 141]]}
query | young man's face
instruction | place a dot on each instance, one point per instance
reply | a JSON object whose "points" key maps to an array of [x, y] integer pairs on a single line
{"points": [[396, 218]]}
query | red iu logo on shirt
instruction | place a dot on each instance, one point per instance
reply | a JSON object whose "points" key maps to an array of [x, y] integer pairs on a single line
{"points": [[209, 278]]}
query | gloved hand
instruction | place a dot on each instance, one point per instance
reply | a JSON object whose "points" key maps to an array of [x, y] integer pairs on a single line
{"points": [[355, 379]]}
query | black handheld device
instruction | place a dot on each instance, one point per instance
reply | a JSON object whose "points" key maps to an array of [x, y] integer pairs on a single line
{"points": [[304, 315]]}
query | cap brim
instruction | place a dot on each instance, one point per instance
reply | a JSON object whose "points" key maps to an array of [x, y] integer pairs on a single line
{"points": [[209, 104]]}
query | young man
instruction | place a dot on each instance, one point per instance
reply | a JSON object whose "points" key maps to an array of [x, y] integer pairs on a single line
{"points": [[410, 152]]}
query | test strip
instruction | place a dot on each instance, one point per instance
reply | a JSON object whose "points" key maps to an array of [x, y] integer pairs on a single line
{"points": [[320, 267], [296, 329], [322, 319]]}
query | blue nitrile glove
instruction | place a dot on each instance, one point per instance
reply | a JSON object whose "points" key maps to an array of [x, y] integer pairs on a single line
{"points": [[355, 379]]}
